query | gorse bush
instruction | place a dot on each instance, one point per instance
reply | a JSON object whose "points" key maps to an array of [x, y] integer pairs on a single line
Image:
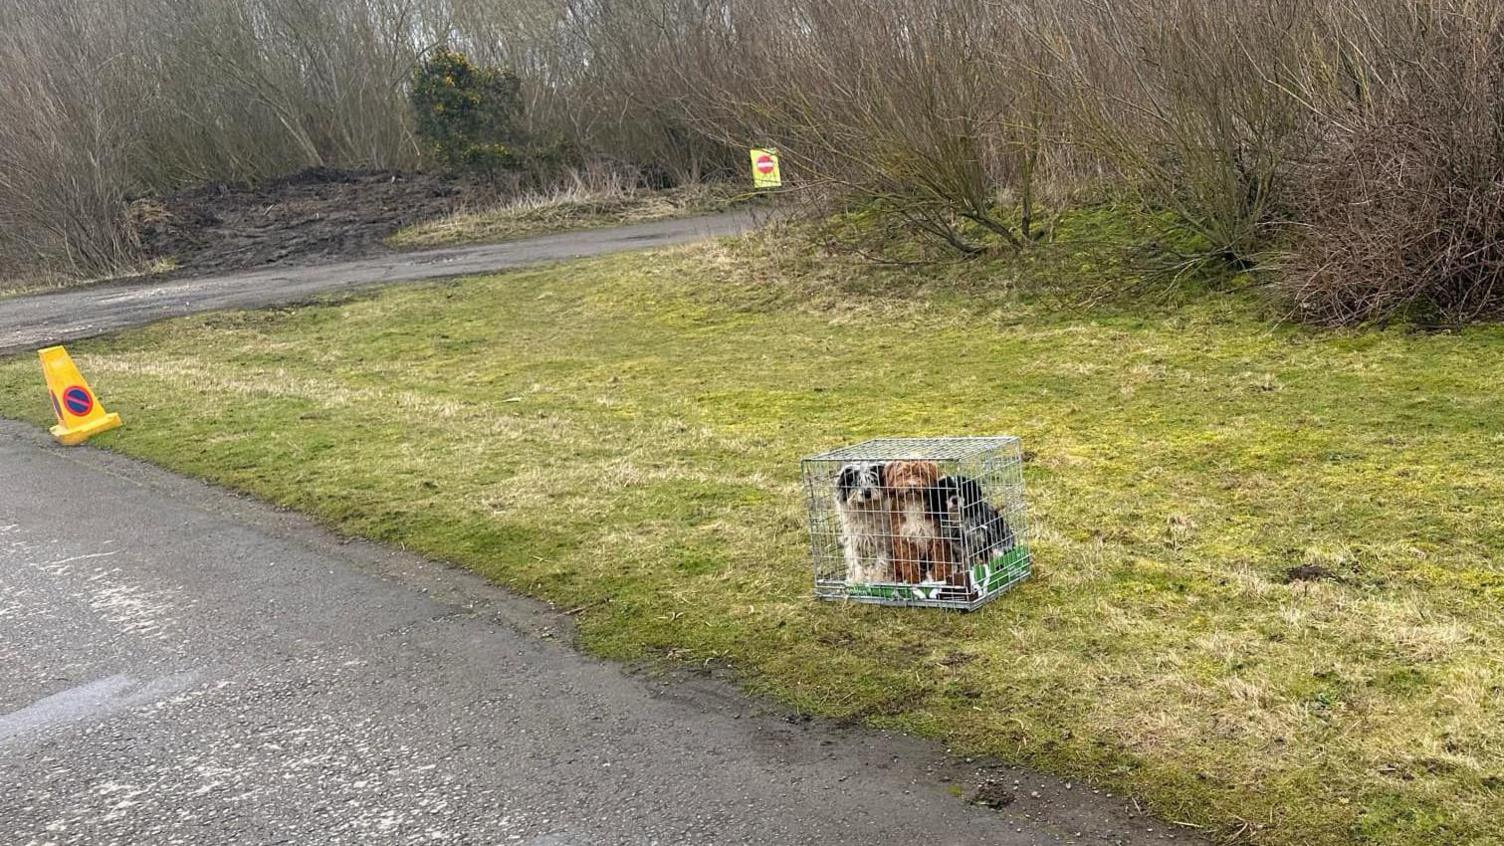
{"points": [[1347, 150], [467, 117]]}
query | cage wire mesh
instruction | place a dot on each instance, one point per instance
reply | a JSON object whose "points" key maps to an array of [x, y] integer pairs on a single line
{"points": [[936, 522]]}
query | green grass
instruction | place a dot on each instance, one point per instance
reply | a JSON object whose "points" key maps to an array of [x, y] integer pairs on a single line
{"points": [[563, 211], [624, 434]]}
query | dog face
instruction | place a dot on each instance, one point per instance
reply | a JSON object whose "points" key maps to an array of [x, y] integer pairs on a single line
{"points": [[860, 485], [959, 495], [911, 478]]}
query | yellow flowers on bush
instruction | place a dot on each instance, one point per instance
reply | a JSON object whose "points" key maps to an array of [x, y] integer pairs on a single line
{"points": [[468, 117]]}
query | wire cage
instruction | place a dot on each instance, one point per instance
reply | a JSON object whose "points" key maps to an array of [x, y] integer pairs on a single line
{"points": [[937, 522]]}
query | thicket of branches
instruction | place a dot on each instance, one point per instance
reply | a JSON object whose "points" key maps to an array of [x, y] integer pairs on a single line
{"points": [[1355, 145]]}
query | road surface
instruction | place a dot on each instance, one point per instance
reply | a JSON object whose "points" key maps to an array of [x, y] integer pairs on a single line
{"points": [[184, 666], [38, 320]]}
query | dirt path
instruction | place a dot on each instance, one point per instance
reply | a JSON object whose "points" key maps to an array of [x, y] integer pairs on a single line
{"points": [[37, 320]]}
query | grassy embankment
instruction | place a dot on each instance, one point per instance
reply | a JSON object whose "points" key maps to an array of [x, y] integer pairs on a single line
{"points": [[624, 434], [565, 211]]}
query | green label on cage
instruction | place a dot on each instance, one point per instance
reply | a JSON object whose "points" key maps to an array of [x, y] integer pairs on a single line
{"points": [[986, 579], [1002, 570], [894, 592]]}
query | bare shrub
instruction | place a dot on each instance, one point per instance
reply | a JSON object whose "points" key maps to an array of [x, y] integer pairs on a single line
{"points": [[1357, 142], [935, 112], [62, 145], [1402, 209], [1189, 101], [103, 106]]}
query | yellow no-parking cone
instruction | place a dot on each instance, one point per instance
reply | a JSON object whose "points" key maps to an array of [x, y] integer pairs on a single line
{"points": [[79, 414]]}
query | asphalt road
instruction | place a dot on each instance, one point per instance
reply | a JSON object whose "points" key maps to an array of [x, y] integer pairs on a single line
{"points": [[179, 665], [38, 320]]}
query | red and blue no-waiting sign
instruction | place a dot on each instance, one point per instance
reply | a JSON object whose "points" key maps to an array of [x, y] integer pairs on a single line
{"points": [[78, 401]]}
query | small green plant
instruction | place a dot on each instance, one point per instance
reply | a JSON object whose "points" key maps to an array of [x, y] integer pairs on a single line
{"points": [[468, 117]]}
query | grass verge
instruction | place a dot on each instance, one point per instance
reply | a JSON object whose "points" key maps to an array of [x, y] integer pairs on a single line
{"points": [[1268, 595], [12, 287], [561, 211]]}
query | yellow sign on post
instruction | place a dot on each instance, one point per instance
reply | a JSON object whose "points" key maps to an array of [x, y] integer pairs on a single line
{"points": [[765, 172], [80, 416]]}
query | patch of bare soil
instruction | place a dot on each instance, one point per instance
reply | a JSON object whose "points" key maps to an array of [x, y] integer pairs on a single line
{"points": [[317, 215], [1308, 573], [993, 794]]}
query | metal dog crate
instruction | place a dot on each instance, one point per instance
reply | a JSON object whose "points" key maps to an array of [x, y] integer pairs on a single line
{"points": [[955, 534]]}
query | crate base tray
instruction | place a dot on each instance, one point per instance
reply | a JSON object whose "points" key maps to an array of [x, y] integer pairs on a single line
{"points": [[988, 581]]}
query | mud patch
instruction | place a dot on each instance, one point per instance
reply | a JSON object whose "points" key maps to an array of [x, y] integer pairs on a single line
{"points": [[314, 216], [1308, 573], [993, 794]]}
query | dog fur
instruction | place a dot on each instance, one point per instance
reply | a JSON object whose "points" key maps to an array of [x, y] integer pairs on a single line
{"points": [[920, 552], [974, 530], [866, 535]]}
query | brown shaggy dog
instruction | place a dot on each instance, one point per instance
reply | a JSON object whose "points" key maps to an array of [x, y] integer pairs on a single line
{"points": [[919, 547]]}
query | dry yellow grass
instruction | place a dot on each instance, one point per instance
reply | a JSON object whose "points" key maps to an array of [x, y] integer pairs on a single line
{"points": [[48, 281], [562, 210]]}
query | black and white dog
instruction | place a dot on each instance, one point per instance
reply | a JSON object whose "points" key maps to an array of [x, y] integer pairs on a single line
{"points": [[976, 531], [866, 532]]}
